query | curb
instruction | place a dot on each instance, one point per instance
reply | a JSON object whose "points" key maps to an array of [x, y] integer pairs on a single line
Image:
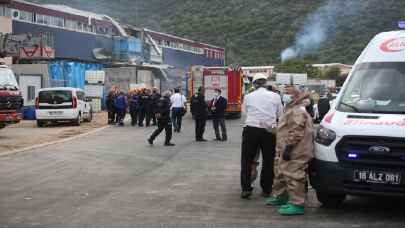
{"points": [[52, 143]]}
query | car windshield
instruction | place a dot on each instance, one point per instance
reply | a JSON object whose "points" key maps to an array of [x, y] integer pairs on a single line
{"points": [[7, 79], [375, 88], [55, 96]]}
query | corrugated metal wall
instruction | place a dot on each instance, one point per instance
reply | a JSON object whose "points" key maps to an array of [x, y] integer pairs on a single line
{"points": [[69, 44], [70, 73]]}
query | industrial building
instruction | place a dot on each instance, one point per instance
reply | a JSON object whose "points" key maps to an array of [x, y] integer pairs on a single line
{"points": [[64, 43]]}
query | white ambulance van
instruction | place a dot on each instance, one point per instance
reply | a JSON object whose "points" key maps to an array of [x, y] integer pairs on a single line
{"points": [[360, 144]]}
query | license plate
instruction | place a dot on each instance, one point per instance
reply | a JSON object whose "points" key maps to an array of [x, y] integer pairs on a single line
{"points": [[55, 113], [377, 177]]}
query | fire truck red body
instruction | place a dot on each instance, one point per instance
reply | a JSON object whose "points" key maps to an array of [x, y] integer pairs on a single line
{"points": [[11, 100], [228, 80]]}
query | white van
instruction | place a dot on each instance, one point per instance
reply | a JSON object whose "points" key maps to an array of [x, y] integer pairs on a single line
{"points": [[62, 104], [360, 145]]}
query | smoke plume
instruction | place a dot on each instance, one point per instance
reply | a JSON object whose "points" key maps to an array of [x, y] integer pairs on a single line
{"points": [[319, 26]]}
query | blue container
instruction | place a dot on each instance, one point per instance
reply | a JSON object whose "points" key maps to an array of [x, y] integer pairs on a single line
{"points": [[29, 113]]}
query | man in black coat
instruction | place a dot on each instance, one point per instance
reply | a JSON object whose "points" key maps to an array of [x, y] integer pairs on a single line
{"points": [[218, 106], [155, 100], [163, 120], [199, 110]]}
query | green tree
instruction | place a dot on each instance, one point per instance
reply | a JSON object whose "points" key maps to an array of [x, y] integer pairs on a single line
{"points": [[333, 73]]}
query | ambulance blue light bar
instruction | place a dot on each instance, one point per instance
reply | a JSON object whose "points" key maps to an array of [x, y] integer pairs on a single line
{"points": [[401, 24]]}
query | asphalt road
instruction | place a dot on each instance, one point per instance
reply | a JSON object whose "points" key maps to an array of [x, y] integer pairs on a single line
{"points": [[114, 179]]}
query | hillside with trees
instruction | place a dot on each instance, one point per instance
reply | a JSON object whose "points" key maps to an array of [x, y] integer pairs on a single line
{"points": [[254, 32]]}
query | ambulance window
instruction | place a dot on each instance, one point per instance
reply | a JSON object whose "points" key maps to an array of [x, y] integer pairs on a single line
{"points": [[375, 88]]}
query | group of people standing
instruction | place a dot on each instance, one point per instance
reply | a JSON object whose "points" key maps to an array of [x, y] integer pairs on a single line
{"points": [[140, 103], [281, 130], [171, 109]]}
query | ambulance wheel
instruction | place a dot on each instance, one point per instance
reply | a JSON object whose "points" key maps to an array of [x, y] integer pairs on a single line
{"points": [[330, 200]]}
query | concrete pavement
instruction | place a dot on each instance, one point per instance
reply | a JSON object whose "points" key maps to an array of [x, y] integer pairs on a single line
{"points": [[114, 179]]}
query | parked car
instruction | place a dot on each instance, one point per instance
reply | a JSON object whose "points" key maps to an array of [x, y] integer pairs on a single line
{"points": [[62, 104]]}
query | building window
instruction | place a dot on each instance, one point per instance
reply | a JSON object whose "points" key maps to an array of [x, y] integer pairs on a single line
{"points": [[43, 19], [87, 28], [57, 21], [30, 93], [70, 24], [4, 11], [26, 16]]}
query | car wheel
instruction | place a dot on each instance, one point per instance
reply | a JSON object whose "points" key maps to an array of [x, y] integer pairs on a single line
{"points": [[330, 200], [78, 121], [90, 116], [40, 123]]}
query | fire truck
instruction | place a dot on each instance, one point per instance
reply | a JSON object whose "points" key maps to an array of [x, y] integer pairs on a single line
{"points": [[228, 80], [11, 100]]}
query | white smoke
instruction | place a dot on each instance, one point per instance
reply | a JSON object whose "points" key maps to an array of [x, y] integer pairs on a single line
{"points": [[319, 26]]}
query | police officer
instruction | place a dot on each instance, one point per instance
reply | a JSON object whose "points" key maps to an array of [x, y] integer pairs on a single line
{"points": [[199, 110], [218, 106], [149, 110], [294, 151], [110, 105], [163, 119], [133, 100], [263, 108], [155, 100]]}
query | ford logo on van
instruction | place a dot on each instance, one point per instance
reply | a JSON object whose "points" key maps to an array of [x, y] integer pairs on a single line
{"points": [[379, 150], [393, 45]]}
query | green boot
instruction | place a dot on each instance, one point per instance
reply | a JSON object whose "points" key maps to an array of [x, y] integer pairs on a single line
{"points": [[291, 209], [276, 200]]}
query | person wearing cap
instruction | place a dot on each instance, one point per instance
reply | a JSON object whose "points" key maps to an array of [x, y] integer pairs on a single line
{"points": [[218, 106], [263, 108]]}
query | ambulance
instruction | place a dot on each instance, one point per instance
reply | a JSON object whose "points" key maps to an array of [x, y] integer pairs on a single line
{"points": [[360, 144]]}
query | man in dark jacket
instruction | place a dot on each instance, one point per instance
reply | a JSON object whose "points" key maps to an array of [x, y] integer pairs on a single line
{"points": [[155, 100], [199, 110], [110, 105], [120, 105], [163, 118], [133, 100], [148, 107], [218, 106]]}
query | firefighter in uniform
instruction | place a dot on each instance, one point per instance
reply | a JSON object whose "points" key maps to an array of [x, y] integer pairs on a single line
{"points": [[163, 119], [295, 147]]}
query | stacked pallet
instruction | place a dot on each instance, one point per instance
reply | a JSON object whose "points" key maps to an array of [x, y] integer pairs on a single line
{"points": [[94, 88]]}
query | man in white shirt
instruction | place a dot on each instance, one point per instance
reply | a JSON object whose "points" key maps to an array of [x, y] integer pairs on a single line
{"points": [[263, 109], [178, 108]]}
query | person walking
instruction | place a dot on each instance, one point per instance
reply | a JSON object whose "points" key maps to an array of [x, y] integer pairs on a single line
{"points": [[218, 106], [179, 105], [133, 100], [199, 110], [163, 119], [295, 145], [120, 106], [155, 100], [263, 109], [110, 105]]}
